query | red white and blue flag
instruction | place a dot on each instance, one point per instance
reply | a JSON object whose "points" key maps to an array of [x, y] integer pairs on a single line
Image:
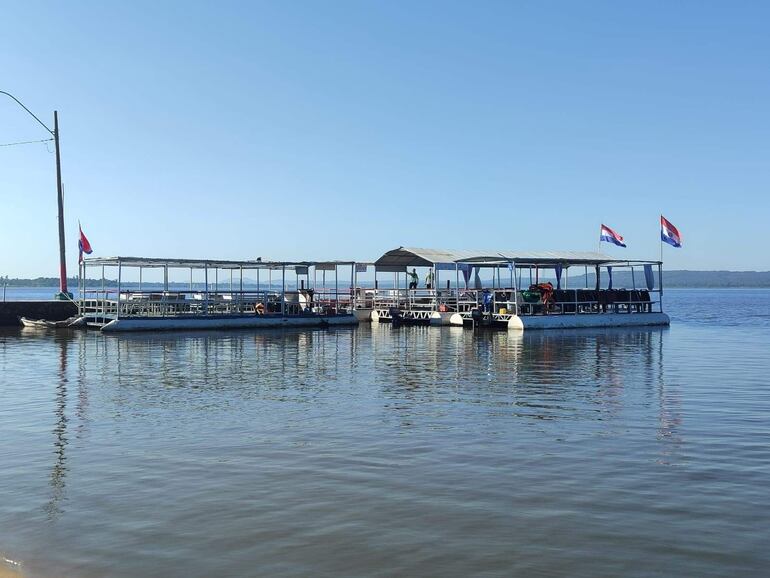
{"points": [[610, 236], [83, 245], [669, 234]]}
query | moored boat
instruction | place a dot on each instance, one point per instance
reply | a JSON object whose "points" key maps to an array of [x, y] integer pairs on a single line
{"points": [[252, 294], [74, 321], [520, 289]]}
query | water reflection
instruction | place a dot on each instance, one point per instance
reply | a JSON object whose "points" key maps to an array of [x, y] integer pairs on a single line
{"points": [[58, 476], [380, 450], [544, 375]]}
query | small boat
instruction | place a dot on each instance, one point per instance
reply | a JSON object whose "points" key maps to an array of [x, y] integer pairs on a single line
{"points": [[74, 321]]}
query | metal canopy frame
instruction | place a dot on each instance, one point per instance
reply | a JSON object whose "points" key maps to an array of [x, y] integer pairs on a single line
{"points": [[403, 257], [150, 262]]}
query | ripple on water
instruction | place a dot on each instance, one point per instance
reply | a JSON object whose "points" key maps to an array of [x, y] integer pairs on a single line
{"points": [[381, 452]]}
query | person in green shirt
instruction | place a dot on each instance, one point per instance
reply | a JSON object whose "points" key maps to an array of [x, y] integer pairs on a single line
{"points": [[415, 279]]}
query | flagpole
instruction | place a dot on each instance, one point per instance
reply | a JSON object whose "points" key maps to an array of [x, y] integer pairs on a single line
{"points": [[660, 267], [661, 241]]}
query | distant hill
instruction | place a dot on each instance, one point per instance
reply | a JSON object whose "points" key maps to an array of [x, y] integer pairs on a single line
{"points": [[716, 278], [684, 278], [677, 278]]}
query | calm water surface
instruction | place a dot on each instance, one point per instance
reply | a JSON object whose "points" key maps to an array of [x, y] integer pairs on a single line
{"points": [[393, 452]]}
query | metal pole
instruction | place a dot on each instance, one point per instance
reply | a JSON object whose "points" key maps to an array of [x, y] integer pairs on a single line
{"points": [[434, 287], [81, 285], [206, 292], [63, 294], [120, 269], [515, 288], [104, 297], [457, 287], [283, 289]]}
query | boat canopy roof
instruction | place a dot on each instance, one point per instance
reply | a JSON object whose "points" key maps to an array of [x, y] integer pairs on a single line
{"points": [[402, 257], [543, 257], [397, 259], [150, 262]]}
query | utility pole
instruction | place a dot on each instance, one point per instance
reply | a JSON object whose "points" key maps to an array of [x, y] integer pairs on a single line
{"points": [[63, 293]]}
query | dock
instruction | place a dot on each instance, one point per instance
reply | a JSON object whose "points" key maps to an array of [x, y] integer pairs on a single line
{"points": [[52, 310]]}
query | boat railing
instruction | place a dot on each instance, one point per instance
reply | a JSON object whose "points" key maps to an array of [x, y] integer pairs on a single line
{"points": [[504, 300], [410, 299], [103, 305]]}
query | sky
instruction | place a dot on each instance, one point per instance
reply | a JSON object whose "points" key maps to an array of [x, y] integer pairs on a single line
{"points": [[341, 129]]}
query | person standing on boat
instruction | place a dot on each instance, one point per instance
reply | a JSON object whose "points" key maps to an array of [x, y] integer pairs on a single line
{"points": [[429, 279], [415, 279], [486, 301]]}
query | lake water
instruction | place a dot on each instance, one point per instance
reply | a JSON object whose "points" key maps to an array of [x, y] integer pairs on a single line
{"points": [[384, 451]]}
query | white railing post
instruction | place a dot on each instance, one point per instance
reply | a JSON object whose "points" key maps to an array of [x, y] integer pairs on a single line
{"points": [[117, 311]]}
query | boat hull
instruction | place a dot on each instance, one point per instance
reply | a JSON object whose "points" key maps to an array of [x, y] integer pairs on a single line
{"points": [[580, 321], [74, 321], [230, 322], [530, 322], [363, 314]]}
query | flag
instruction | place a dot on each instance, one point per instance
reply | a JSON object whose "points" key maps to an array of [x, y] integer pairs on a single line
{"points": [[669, 234], [610, 236], [83, 245]]}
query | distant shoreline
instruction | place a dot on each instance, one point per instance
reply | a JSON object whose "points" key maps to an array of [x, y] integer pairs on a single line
{"points": [[671, 279]]}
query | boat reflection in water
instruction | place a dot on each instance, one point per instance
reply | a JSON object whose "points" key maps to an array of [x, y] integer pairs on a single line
{"points": [[350, 443], [420, 363]]}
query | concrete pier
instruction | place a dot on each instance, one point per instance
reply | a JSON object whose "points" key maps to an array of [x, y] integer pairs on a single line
{"points": [[10, 311]]}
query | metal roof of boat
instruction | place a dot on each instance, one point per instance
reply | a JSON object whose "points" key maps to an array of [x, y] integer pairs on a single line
{"points": [[543, 257], [211, 263], [418, 257], [421, 257]]}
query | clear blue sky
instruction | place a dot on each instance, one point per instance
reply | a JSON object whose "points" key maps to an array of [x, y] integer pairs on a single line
{"points": [[342, 129]]}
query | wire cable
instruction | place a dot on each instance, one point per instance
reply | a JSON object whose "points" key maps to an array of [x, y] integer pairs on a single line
{"points": [[26, 142]]}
